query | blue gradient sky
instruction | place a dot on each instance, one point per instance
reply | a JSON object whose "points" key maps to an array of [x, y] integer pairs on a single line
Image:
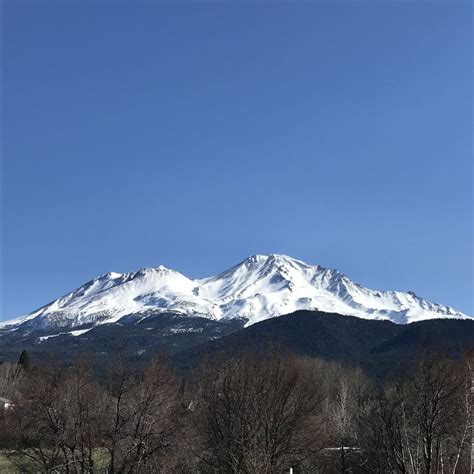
{"points": [[194, 135]]}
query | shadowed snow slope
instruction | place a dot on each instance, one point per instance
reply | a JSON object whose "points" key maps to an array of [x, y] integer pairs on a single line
{"points": [[258, 288]]}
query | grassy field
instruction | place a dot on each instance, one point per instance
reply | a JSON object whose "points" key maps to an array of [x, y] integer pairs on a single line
{"points": [[6, 467]]}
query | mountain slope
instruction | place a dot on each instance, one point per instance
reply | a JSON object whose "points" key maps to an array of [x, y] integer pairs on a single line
{"points": [[140, 338], [380, 347], [256, 289]]}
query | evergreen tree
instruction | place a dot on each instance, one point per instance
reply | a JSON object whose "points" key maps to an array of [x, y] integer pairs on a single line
{"points": [[24, 360]]}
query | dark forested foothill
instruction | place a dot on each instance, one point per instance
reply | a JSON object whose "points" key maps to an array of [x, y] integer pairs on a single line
{"points": [[381, 348], [252, 412]]}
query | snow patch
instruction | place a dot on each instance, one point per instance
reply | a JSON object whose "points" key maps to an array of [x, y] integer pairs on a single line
{"points": [[77, 332]]}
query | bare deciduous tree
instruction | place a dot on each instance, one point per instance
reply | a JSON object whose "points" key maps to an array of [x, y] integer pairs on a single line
{"points": [[258, 414], [422, 424], [10, 379], [56, 421], [252, 413], [145, 417]]}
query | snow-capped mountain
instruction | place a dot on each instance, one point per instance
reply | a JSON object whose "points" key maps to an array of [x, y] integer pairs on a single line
{"points": [[256, 289]]}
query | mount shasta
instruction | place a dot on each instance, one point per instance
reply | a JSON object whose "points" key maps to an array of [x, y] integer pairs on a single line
{"points": [[259, 288]]}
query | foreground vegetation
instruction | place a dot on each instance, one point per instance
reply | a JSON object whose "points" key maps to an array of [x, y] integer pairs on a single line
{"points": [[252, 413]]}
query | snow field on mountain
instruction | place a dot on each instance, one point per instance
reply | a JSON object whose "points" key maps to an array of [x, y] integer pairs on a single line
{"points": [[258, 288]]}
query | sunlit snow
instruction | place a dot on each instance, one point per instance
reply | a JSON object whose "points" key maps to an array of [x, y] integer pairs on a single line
{"points": [[258, 288]]}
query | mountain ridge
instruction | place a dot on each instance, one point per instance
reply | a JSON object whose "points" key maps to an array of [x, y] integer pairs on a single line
{"points": [[380, 348], [257, 288]]}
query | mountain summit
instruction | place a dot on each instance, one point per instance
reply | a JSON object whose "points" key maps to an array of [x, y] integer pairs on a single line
{"points": [[258, 288]]}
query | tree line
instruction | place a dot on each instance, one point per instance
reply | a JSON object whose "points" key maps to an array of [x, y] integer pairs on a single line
{"points": [[251, 413]]}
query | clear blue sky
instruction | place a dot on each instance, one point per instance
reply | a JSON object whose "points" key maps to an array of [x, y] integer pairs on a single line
{"points": [[193, 135]]}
